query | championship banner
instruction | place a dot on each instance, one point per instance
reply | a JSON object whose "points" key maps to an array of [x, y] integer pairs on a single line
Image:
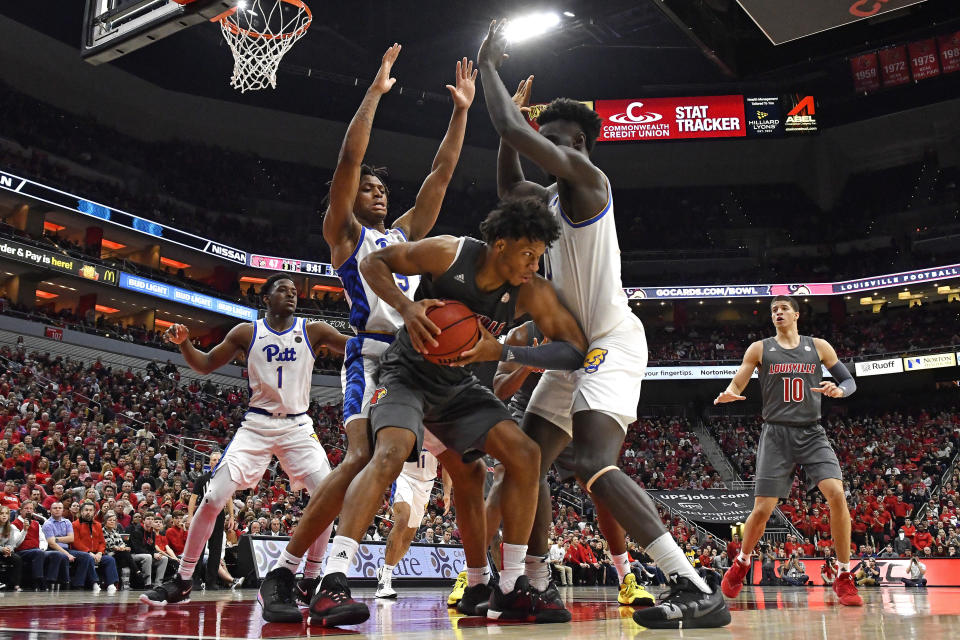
{"points": [[421, 561], [782, 21], [893, 63], [57, 262], [707, 505], [923, 59], [950, 52], [941, 572], [866, 73], [672, 118]]}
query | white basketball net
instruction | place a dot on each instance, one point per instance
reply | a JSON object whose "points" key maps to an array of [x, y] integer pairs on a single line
{"points": [[260, 32]]}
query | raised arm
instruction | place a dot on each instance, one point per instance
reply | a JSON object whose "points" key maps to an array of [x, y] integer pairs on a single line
{"points": [[322, 334], [511, 182], [751, 360], [339, 222], [561, 162], [430, 256], [236, 341], [419, 220]]}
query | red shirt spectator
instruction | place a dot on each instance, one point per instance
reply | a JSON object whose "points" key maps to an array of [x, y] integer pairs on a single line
{"points": [[733, 549], [176, 538], [922, 539], [88, 536]]}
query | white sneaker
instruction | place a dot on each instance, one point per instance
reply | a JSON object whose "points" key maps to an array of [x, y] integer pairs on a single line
{"points": [[96, 588], [112, 589], [385, 591]]}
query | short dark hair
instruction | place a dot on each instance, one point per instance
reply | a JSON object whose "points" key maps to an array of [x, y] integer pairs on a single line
{"points": [[789, 300], [267, 287], [380, 173], [520, 218], [573, 111]]}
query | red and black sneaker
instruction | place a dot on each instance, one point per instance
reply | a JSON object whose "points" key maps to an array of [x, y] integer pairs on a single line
{"points": [[332, 605], [548, 606], [170, 592], [516, 606], [305, 589]]}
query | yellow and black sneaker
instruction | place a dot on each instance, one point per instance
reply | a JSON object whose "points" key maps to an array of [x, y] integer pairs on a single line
{"points": [[632, 594], [458, 587]]}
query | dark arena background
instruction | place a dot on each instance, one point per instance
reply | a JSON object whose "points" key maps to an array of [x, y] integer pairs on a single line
{"points": [[159, 160]]}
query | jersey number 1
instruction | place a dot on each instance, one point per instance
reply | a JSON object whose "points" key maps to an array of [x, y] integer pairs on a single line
{"points": [[793, 389], [280, 377]]}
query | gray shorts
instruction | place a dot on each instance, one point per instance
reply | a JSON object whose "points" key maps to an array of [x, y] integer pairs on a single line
{"points": [[459, 417], [782, 448]]}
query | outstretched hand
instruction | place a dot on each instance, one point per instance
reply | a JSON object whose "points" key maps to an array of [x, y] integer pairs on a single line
{"points": [[466, 84], [494, 46], [829, 389], [383, 82], [522, 97], [728, 396]]}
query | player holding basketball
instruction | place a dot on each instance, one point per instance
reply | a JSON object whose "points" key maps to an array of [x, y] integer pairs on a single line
{"points": [[515, 384], [790, 372], [602, 397], [280, 351], [497, 280], [410, 495], [355, 225]]}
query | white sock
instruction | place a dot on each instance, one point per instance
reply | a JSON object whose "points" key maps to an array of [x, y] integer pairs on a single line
{"points": [[743, 558], [342, 552], [844, 566], [186, 569], [513, 565], [286, 559], [671, 560], [388, 573], [478, 575], [621, 563], [537, 570]]}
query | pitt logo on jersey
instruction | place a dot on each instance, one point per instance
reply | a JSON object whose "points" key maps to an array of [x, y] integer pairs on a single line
{"points": [[378, 395], [594, 359], [274, 352]]}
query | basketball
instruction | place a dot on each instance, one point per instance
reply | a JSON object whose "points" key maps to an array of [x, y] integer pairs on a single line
{"points": [[458, 332]]}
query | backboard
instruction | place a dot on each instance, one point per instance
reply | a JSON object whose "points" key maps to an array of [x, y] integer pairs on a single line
{"points": [[113, 28]]}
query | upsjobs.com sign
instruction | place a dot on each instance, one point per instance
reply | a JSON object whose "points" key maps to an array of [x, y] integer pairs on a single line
{"points": [[671, 118]]}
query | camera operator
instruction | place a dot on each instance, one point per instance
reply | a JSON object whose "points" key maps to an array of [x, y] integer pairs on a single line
{"points": [[768, 575], [869, 573], [917, 571], [794, 574], [828, 572]]}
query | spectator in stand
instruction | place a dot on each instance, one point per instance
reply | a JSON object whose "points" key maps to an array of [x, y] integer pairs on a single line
{"points": [[89, 539], [902, 544], [10, 539], [828, 571], [59, 533], [153, 564], [917, 570], [10, 497], [888, 552], [48, 566], [120, 552], [922, 538], [176, 535], [26, 490], [558, 549], [733, 547]]}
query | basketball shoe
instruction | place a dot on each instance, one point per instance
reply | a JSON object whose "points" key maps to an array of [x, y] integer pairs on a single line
{"points": [[548, 606], [276, 597], [332, 605], [172, 591], [384, 588], [475, 599], [685, 606], [305, 589], [733, 578], [846, 590], [458, 588], [632, 594]]}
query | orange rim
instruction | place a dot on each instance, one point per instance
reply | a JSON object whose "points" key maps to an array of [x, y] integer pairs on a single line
{"points": [[250, 33]]}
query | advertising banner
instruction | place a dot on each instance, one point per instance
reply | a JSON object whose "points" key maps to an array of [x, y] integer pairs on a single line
{"points": [[183, 296], [696, 372], [764, 117], [707, 505], [671, 118], [801, 115], [941, 572], [785, 21], [923, 59], [893, 64], [57, 262], [866, 73], [932, 361], [421, 561], [950, 52], [879, 367], [54, 333]]}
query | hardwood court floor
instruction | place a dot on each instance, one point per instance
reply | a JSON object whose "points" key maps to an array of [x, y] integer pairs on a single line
{"points": [[758, 613]]}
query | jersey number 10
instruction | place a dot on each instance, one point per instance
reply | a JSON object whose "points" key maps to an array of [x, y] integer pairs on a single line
{"points": [[793, 389]]}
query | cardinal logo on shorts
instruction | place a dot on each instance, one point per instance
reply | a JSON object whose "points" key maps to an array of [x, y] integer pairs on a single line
{"points": [[378, 395], [594, 359]]}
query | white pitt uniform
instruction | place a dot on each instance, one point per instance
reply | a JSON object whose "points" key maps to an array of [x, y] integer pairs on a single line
{"points": [[584, 266], [280, 372], [415, 482], [375, 322]]}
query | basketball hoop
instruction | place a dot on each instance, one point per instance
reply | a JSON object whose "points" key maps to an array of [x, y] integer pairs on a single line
{"points": [[259, 33]]}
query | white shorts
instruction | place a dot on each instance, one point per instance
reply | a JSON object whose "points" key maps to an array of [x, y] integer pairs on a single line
{"points": [[259, 438], [609, 380], [361, 369], [416, 493]]}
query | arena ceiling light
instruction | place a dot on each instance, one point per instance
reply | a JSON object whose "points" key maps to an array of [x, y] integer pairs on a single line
{"points": [[531, 25]]}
